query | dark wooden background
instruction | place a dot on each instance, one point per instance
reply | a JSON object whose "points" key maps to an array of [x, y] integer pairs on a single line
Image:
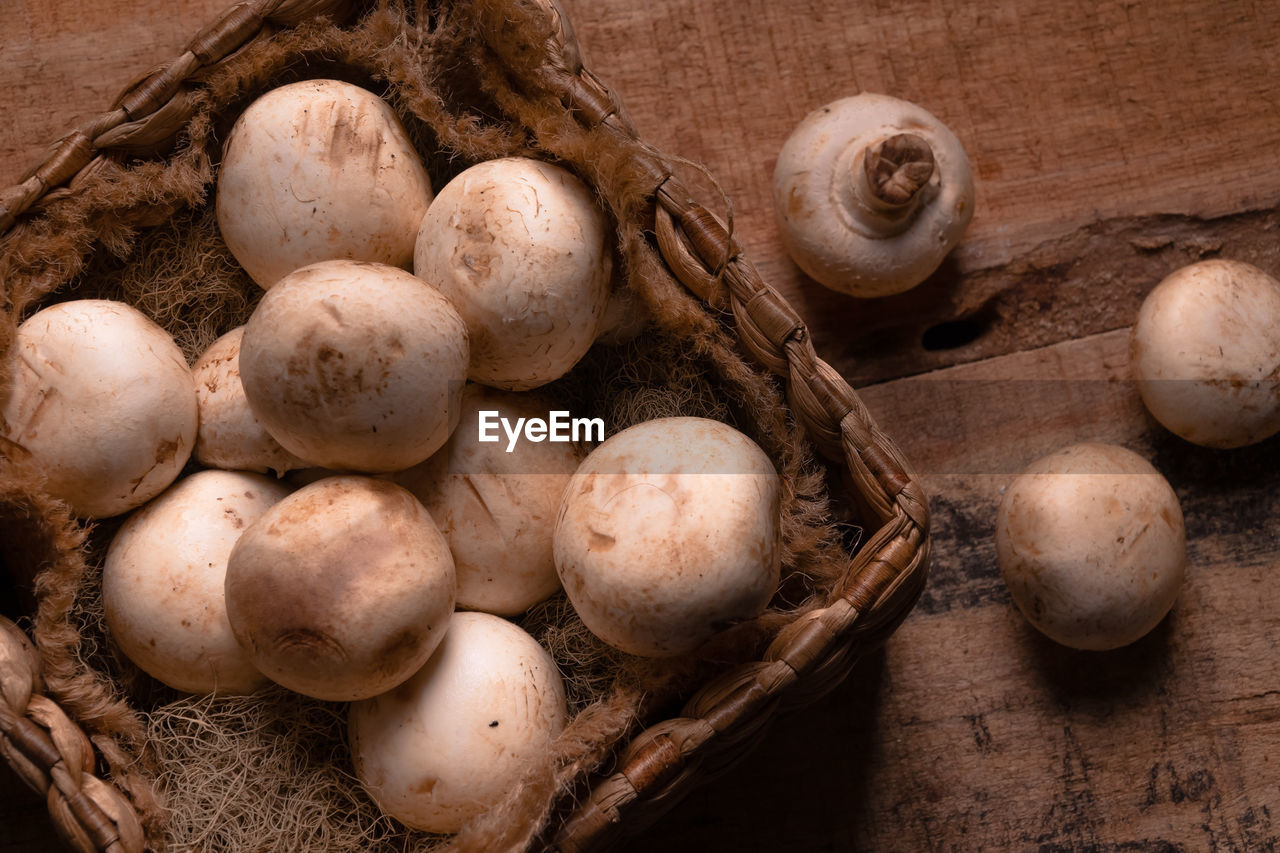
{"points": [[1112, 142]]}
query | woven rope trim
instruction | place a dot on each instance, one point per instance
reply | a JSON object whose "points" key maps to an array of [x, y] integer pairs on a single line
{"points": [[52, 755]]}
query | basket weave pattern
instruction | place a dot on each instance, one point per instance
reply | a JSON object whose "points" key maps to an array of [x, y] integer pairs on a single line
{"points": [[720, 722]]}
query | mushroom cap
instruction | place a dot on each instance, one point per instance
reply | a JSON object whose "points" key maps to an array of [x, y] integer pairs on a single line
{"points": [[342, 590], [163, 579], [318, 170], [521, 249], [1091, 545], [355, 366], [1205, 352], [497, 509], [452, 741], [102, 404], [669, 533], [832, 232], [230, 436]]}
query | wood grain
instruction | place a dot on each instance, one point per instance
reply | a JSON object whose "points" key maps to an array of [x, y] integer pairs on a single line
{"points": [[971, 731], [62, 63], [1112, 142], [1072, 114]]}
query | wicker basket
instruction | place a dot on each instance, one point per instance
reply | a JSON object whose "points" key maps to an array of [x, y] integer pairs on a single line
{"points": [[724, 718]]}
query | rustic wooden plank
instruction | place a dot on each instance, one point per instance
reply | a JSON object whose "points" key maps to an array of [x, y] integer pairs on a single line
{"points": [[972, 731], [63, 63], [1089, 281], [1112, 142], [1072, 114]]}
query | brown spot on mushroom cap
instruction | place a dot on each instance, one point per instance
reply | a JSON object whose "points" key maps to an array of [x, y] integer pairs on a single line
{"points": [[796, 203], [601, 541]]}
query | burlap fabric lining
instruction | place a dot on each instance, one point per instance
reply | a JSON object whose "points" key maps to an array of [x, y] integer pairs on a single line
{"points": [[473, 81]]}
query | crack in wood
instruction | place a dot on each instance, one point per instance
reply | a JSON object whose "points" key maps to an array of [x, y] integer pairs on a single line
{"points": [[1089, 281]]}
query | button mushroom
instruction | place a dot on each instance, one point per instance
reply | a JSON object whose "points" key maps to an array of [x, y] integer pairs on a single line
{"points": [[315, 171], [522, 251], [668, 533], [163, 579], [1205, 352], [355, 366], [496, 503], [1091, 544], [450, 742], [870, 193], [231, 436], [342, 590], [102, 405]]}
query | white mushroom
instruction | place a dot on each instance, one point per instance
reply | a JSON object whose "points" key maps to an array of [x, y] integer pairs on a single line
{"points": [[870, 193], [315, 171], [163, 578], [230, 436], [1091, 544], [669, 533], [521, 249], [1205, 352], [452, 741], [342, 590], [355, 366], [497, 509], [102, 405]]}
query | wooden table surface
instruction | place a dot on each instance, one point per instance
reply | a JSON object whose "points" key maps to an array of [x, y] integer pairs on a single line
{"points": [[1112, 143]]}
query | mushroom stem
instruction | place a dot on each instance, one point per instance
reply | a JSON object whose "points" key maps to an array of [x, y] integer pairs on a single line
{"points": [[894, 171], [871, 192]]}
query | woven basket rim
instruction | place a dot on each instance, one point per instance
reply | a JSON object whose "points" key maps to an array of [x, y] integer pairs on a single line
{"points": [[807, 658]]}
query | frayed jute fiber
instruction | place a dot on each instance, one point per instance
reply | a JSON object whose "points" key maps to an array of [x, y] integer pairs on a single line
{"points": [[272, 771]]}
